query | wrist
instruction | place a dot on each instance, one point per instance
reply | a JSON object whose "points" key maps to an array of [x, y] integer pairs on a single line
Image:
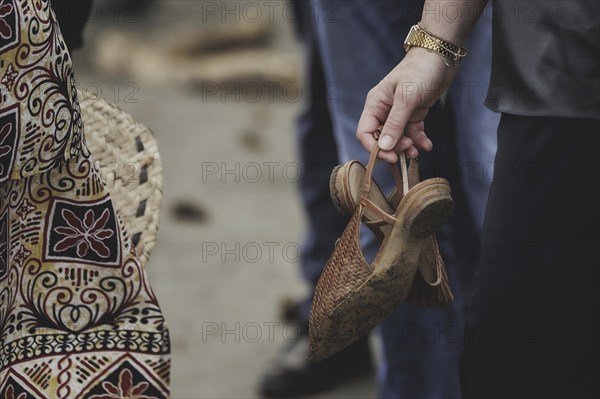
{"points": [[425, 59], [436, 72]]}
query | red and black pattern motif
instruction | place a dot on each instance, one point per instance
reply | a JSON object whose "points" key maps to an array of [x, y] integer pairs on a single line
{"points": [[14, 388], [9, 129], [9, 29], [83, 232], [36, 76], [78, 318]]}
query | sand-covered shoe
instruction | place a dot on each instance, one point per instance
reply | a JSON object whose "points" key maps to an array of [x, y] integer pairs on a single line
{"points": [[431, 287], [352, 296]]}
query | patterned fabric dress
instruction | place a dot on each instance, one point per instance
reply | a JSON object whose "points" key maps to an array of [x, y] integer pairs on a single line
{"points": [[78, 318]]}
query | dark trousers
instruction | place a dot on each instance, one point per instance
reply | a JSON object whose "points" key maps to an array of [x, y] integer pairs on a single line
{"points": [[532, 326], [318, 156]]}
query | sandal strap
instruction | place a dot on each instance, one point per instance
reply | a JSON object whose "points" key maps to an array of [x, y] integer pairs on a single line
{"points": [[397, 176], [401, 177], [385, 217], [394, 196], [404, 169], [413, 173], [377, 223], [370, 167]]}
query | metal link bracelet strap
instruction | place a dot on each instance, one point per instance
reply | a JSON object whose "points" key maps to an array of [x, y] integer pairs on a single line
{"points": [[419, 37]]}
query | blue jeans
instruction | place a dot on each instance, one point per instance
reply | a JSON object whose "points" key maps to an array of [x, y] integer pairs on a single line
{"points": [[359, 43]]}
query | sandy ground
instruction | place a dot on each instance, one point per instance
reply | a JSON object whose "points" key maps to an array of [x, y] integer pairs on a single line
{"points": [[220, 278]]}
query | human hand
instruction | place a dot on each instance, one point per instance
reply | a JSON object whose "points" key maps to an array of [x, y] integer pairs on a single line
{"points": [[400, 103]]}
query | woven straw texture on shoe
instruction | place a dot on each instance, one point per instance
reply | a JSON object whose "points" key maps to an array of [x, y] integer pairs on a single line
{"points": [[345, 271], [127, 153]]}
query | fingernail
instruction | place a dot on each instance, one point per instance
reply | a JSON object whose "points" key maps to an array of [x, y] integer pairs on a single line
{"points": [[386, 143]]}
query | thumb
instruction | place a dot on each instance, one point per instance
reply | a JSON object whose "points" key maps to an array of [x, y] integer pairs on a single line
{"points": [[394, 126]]}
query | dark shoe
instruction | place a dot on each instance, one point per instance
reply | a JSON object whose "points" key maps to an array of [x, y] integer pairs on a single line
{"points": [[292, 375]]}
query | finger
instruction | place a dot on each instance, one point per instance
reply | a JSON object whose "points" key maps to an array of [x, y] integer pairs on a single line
{"points": [[417, 134], [393, 129], [391, 156], [375, 112], [388, 156], [412, 153], [404, 144], [367, 141]]}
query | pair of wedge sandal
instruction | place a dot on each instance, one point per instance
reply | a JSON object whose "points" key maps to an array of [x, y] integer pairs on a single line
{"points": [[352, 296]]}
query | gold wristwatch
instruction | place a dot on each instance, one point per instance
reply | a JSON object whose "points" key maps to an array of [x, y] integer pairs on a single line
{"points": [[419, 37]]}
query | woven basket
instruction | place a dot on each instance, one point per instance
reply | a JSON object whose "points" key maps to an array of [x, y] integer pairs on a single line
{"points": [[127, 153]]}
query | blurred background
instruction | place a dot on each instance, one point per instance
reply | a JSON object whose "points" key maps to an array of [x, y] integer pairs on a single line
{"points": [[220, 84]]}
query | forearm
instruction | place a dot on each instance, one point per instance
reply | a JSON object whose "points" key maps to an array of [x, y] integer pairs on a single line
{"points": [[451, 20]]}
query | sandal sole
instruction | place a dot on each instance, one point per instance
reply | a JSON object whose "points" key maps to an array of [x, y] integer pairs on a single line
{"points": [[335, 190], [429, 207]]}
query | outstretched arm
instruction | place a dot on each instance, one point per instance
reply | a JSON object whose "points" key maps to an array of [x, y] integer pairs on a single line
{"points": [[402, 99]]}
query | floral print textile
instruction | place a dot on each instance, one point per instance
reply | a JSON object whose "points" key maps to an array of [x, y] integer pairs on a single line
{"points": [[78, 318]]}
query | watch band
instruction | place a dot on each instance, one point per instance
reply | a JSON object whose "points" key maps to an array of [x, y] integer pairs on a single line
{"points": [[419, 37]]}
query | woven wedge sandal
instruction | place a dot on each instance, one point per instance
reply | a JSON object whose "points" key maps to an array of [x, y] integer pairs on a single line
{"points": [[431, 287], [352, 296]]}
